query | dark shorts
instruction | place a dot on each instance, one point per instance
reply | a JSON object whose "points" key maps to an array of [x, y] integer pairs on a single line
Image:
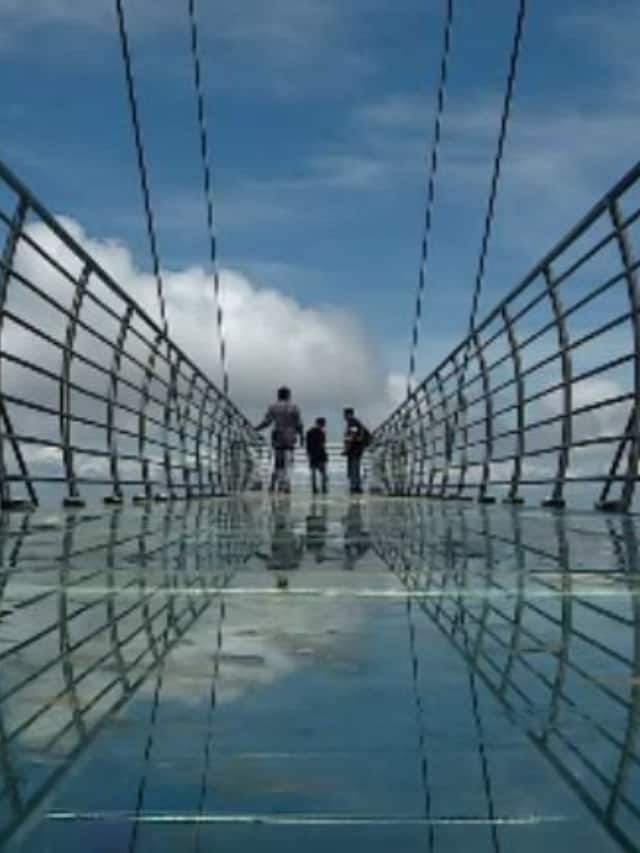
{"points": [[317, 461]]}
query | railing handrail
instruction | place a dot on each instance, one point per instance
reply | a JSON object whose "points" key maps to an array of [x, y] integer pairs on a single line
{"points": [[50, 220], [583, 224]]}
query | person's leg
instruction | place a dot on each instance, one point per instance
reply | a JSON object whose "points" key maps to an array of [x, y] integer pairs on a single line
{"points": [[323, 476], [280, 469], [351, 472], [357, 479], [274, 472], [285, 485], [314, 484]]}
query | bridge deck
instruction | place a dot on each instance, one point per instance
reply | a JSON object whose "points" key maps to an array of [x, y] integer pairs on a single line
{"points": [[378, 674]]}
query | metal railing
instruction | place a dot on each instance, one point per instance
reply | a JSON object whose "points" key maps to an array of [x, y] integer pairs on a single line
{"points": [[90, 608], [556, 641], [93, 395], [544, 393]]}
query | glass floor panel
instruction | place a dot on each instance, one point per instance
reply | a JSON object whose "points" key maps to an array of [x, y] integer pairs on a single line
{"points": [[344, 674]]}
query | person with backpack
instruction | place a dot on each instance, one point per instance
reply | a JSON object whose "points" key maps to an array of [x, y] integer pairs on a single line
{"points": [[286, 419], [317, 453], [356, 440]]}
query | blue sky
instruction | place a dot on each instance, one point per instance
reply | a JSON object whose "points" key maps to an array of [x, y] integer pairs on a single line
{"points": [[320, 115]]}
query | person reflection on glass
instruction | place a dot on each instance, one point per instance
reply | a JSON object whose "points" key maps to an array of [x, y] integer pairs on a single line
{"points": [[286, 546], [317, 526], [356, 538]]}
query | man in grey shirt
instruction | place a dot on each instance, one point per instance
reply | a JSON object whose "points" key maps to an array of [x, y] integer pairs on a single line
{"points": [[287, 425]]}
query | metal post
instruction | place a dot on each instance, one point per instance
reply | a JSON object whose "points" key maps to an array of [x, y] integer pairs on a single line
{"points": [[513, 497], [421, 397], [8, 257], [483, 497], [73, 498], [116, 496], [632, 432], [184, 417], [446, 436], [142, 419], [464, 428], [431, 432], [170, 400], [204, 400], [557, 497]]}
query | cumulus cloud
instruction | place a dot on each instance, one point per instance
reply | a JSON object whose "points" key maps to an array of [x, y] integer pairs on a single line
{"points": [[322, 353]]}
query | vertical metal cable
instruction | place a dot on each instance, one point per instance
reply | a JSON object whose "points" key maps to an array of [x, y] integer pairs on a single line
{"points": [[482, 260], [497, 165], [208, 190], [431, 194], [142, 166]]}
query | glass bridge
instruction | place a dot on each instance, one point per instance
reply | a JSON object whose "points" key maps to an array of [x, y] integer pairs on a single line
{"points": [[451, 662]]}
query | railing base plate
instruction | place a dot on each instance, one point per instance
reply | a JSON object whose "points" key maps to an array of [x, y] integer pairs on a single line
{"points": [[74, 503], [113, 500], [17, 505], [610, 506], [554, 503], [486, 499], [517, 501]]}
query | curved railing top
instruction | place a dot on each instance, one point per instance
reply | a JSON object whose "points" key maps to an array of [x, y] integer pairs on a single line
{"points": [[23, 192], [93, 393], [602, 206], [536, 393]]}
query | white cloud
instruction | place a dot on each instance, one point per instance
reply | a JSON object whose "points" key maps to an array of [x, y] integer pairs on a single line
{"points": [[395, 111]]}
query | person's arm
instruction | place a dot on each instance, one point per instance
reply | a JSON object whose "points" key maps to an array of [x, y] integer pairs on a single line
{"points": [[268, 419]]}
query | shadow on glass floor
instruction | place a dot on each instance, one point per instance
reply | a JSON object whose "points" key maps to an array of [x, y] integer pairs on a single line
{"points": [[90, 607], [544, 610]]}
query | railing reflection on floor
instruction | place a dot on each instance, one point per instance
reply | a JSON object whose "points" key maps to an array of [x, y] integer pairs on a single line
{"points": [[90, 607], [556, 641]]}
